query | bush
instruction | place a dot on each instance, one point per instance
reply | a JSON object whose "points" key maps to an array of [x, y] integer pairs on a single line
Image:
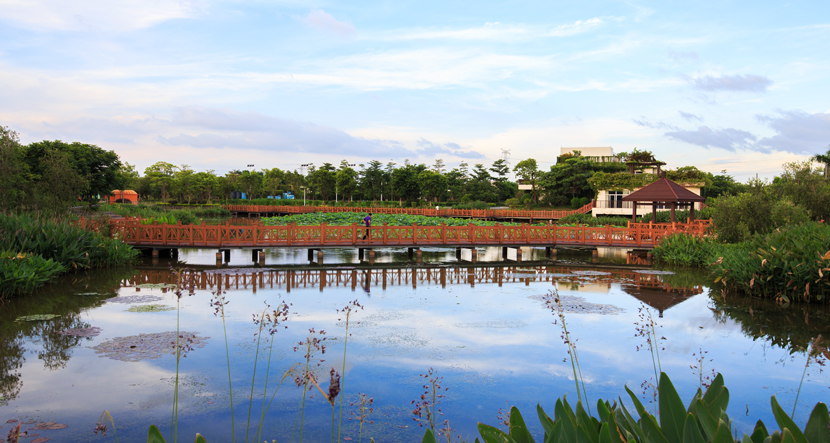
{"points": [[23, 273], [589, 220], [687, 250], [679, 216], [738, 218], [478, 204], [788, 264], [512, 202]]}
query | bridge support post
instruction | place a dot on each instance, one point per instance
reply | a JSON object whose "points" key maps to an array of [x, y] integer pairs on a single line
{"points": [[518, 254], [410, 252], [155, 253], [262, 256], [594, 256], [218, 258], [371, 256], [254, 256], [319, 256], [360, 254], [504, 252], [418, 256], [474, 255], [310, 255], [550, 252]]}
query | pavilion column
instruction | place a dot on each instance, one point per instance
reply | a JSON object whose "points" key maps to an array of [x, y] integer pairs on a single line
{"points": [[634, 211], [654, 212], [673, 206], [692, 212]]}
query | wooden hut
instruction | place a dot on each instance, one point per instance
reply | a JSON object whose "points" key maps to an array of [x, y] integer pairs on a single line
{"points": [[666, 193]]}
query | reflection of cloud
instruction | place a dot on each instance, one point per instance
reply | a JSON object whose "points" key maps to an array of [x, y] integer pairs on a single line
{"points": [[749, 82], [322, 20], [797, 131], [728, 138]]}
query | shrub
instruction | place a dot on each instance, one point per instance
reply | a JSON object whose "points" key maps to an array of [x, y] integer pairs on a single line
{"points": [[788, 264], [687, 250], [679, 216], [737, 218], [478, 204], [589, 220], [21, 273]]}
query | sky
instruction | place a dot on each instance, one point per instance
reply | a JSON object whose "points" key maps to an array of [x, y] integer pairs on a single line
{"points": [[740, 86]]}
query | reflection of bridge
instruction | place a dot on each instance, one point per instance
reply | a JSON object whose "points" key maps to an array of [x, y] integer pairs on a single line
{"points": [[254, 279], [486, 214], [258, 236]]}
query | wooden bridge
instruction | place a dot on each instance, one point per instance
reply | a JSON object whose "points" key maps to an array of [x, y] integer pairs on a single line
{"points": [[258, 236], [484, 214]]}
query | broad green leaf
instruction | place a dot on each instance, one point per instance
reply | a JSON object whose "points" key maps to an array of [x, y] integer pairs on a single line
{"points": [[429, 437], [713, 390], [640, 409], [723, 434], [631, 425], [488, 433], [786, 423], [605, 434], [652, 429], [518, 428], [759, 434], [583, 420], [603, 411], [817, 427], [708, 423], [672, 411], [200, 439], [154, 435], [787, 436], [691, 431], [583, 437], [546, 421]]}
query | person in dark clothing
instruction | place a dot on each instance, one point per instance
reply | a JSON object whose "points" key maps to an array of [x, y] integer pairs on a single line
{"points": [[368, 221]]}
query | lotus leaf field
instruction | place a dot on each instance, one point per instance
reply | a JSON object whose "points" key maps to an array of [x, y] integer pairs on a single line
{"points": [[347, 218]]}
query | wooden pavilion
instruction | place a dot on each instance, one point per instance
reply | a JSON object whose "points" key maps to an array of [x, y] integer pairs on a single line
{"points": [[663, 192]]}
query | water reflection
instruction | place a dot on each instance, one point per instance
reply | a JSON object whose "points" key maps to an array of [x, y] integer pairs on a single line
{"points": [[485, 328]]}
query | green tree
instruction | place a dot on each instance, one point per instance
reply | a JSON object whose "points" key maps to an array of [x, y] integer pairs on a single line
{"points": [[529, 173], [251, 181], [208, 184], [433, 185], [405, 181], [185, 183], [372, 180], [60, 183], [346, 182], [823, 159], [272, 181], [569, 177], [480, 186], [501, 169], [323, 180], [127, 176], [162, 176], [805, 186], [14, 171]]}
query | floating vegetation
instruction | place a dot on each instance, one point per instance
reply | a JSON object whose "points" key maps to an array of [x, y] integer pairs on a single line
{"points": [[87, 293], [590, 273], [579, 305], [652, 272], [131, 299], [49, 425], [156, 286], [81, 332], [147, 346], [151, 308], [37, 317], [496, 324]]}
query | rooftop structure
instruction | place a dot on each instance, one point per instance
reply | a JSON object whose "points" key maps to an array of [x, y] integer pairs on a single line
{"points": [[597, 154]]}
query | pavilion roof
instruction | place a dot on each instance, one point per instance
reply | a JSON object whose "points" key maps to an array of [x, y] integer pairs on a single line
{"points": [[663, 190], [124, 192]]}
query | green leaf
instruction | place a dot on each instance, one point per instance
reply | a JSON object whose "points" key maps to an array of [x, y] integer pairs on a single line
{"points": [[652, 429], [584, 421], [582, 435], [605, 434], [788, 437], [691, 431], [759, 434], [429, 437], [546, 421], [817, 427], [786, 423], [723, 434], [488, 433], [154, 435], [672, 411], [631, 425], [708, 423], [640, 409], [200, 439], [518, 428]]}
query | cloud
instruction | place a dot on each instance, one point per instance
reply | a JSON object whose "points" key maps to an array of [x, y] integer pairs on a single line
{"points": [[729, 139], [500, 31], [689, 116], [578, 27], [681, 56], [250, 130], [323, 21], [95, 15], [647, 124], [797, 131], [429, 149], [749, 82]]}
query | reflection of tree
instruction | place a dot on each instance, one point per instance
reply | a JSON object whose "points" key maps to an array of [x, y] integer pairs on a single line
{"points": [[54, 349], [790, 327]]}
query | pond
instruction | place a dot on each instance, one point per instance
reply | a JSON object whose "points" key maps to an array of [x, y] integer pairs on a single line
{"points": [[484, 328]]}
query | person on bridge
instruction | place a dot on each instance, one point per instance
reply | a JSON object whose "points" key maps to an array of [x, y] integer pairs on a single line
{"points": [[368, 221]]}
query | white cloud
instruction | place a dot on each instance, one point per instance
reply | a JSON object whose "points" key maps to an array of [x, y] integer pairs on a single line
{"points": [[497, 31], [323, 21], [797, 132], [94, 15], [749, 82]]}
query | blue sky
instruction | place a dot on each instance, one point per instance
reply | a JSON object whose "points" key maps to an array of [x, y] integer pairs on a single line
{"points": [[735, 85]]}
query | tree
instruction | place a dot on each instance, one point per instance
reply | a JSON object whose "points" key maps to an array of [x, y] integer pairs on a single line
{"points": [[480, 186], [438, 167], [60, 182], [457, 180], [823, 159], [127, 176], [372, 180], [505, 190], [405, 181], [161, 176], [14, 171], [528, 172], [433, 185], [208, 184], [185, 183], [251, 181], [272, 181], [323, 180], [501, 169], [568, 177], [346, 182]]}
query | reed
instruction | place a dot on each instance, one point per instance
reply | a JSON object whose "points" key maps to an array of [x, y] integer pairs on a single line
{"points": [[554, 302]]}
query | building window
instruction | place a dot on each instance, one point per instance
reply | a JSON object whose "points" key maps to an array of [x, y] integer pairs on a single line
{"points": [[615, 199]]}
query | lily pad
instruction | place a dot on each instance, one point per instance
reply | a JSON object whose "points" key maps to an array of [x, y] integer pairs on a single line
{"points": [[151, 308], [147, 346], [82, 332], [578, 305], [37, 317], [156, 286], [131, 299]]}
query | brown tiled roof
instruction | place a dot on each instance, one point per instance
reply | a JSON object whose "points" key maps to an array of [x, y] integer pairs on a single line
{"points": [[663, 190]]}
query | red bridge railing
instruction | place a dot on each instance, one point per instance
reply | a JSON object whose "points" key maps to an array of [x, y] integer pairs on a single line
{"points": [[134, 232]]}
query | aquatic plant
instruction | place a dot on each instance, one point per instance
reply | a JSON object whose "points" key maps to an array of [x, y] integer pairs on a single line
{"points": [[687, 250], [313, 344], [427, 407], [789, 264], [817, 353], [704, 421], [22, 273], [347, 310], [348, 218], [184, 282], [364, 410], [699, 368], [646, 328], [271, 320], [554, 302], [101, 426]]}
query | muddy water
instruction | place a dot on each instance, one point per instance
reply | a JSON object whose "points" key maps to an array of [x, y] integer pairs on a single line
{"points": [[483, 327]]}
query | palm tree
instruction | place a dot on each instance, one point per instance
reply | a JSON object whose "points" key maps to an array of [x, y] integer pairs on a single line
{"points": [[825, 160]]}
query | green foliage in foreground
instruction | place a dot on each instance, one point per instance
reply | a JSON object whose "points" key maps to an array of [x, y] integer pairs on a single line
{"points": [[347, 218], [23, 273], [703, 421], [791, 263], [38, 249]]}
